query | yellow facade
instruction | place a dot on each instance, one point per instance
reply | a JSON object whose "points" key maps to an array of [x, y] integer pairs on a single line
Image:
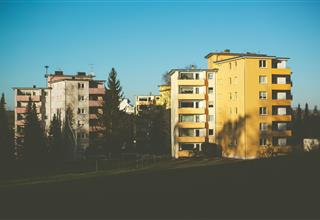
{"points": [[238, 102], [165, 96]]}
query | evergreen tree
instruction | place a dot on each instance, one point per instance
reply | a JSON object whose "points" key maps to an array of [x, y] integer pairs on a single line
{"points": [[57, 152], [34, 147], [6, 134], [315, 123], [166, 78], [306, 122], [160, 131], [112, 115], [297, 127]]}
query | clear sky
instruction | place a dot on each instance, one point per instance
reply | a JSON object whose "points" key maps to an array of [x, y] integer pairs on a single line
{"points": [[143, 39]]}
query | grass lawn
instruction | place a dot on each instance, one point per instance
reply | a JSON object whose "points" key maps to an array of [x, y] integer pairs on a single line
{"points": [[283, 187]]}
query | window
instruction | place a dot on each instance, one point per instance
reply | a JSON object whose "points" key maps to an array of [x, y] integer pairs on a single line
{"points": [[236, 110], [81, 98], [186, 118], [262, 95], [210, 90], [230, 96], [263, 110], [210, 118], [210, 75], [210, 131], [80, 85], [281, 95], [210, 104], [263, 79], [281, 80], [263, 126], [197, 132], [197, 118], [197, 90], [282, 111], [282, 126], [282, 141], [186, 89], [235, 96], [235, 80], [262, 63], [81, 111], [263, 142], [186, 104], [186, 76], [230, 80], [80, 123]]}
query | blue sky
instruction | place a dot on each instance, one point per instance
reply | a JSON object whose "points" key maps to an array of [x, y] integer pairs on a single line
{"points": [[143, 39]]}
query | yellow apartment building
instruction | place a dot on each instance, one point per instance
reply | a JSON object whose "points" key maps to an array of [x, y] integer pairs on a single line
{"points": [[253, 103]]}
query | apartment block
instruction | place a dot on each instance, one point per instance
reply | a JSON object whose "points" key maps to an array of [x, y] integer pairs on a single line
{"points": [[79, 96], [146, 102], [253, 103], [242, 103], [192, 110]]}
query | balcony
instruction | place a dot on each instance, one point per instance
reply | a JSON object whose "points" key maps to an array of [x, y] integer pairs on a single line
{"points": [[25, 98], [281, 86], [191, 96], [191, 139], [191, 111], [283, 133], [281, 118], [95, 103], [191, 82], [191, 125], [282, 71], [20, 123], [97, 91]]}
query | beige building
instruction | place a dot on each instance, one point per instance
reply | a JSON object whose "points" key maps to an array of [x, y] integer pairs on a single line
{"points": [[79, 94], [146, 102], [192, 110]]}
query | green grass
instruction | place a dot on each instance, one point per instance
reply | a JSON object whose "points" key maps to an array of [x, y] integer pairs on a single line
{"points": [[162, 165]]}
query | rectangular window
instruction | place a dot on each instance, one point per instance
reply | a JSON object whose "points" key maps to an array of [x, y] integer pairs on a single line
{"points": [[186, 118], [197, 132], [211, 118], [263, 142], [263, 79], [235, 96], [81, 98], [281, 95], [262, 63], [263, 126], [236, 110], [230, 80], [210, 75], [282, 111], [80, 85], [186, 104], [262, 95], [210, 104], [263, 110], [281, 80], [186, 76], [282, 126], [81, 111], [210, 131], [282, 141], [210, 90], [186, 90]]}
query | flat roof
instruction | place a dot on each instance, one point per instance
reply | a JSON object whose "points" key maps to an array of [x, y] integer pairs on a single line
{"points": [[31, 88], [243, 55], [191, 70]]}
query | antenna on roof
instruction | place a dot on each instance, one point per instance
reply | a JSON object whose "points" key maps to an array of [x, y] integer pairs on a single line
{"points": [[91, 72]]}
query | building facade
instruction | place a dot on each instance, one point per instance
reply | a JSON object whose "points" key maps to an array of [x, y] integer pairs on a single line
{"points": [[192, 110], [146, 102], [249, 108], [79, 96]]}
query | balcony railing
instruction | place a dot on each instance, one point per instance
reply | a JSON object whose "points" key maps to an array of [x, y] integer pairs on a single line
{"points": [[25, 98]]}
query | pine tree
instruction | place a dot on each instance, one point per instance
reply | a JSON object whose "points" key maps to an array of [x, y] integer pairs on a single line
{"points": [[297, 127], [6, 134], [57, 150], [306, 122], [112, 114], [34, 147]]}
